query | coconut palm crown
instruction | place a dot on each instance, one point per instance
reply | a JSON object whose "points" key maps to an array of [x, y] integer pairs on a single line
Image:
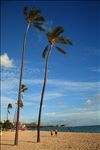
{"points": [[23, 89], [54, 38], [9, 107], [33, 16]]}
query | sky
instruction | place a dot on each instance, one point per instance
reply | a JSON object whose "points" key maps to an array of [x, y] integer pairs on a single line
{"points": [[72, 95]]}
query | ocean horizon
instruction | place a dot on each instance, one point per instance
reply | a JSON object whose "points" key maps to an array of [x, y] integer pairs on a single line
{"points": [[85, 129]]}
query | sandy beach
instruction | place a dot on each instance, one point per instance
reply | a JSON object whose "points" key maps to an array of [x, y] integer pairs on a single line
{"points": [[63, 141]]}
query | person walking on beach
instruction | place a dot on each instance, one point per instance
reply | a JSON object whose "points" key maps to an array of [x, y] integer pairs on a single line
{"points": [[51, 132], [56, 132]]}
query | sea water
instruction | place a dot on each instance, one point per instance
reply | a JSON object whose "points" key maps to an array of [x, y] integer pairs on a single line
{"points": [[89, 129]]}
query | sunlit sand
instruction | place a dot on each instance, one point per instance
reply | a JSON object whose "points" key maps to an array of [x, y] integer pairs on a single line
{"points": [[63, 141]]}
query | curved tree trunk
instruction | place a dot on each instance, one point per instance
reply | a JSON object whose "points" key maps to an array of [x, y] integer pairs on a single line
{"points": [[20, 84], [42, 97]]}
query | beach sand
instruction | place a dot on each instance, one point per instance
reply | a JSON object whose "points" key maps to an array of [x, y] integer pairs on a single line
{"points": [[63, 141]]}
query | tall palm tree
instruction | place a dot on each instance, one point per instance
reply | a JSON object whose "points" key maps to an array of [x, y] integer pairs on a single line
{"points": [[8, 109], [54, 38], [32, 16]]}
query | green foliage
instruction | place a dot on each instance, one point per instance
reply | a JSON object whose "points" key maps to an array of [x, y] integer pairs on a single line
{"points": [[34, 12], [57, 31], [54, 38], [24, 88], [63, 40], [7, 125], [45, 52], [61, 50], [25, 11], [9, 107], [40, 19], [39, 27], [1, 124], [21, 104], [33, 16]]}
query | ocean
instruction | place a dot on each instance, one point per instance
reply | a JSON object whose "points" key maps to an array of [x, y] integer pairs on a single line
{"points": [[88, 129]]}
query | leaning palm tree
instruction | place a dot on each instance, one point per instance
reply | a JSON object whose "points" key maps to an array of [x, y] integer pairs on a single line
{"points": [[32, 17], [8, 109], [54, 38]]}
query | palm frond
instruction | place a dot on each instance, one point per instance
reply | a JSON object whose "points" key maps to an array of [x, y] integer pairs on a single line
{"points": [[39, 18], [24, 88], [21, 103], [57, 31], [9, 106], [50, 36], [63, 40], [25, 11], [8, 112], [39, 27], [33, 12], [37, 23], [45, 52], [61, 50]]}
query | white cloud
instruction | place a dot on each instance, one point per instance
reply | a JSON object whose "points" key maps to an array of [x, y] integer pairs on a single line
{"points": [[28, 103], [96, 70], [47, 96], [5, 61], [95, 101], [53, 95], [88, 102], [76, 117], [70, 85]]}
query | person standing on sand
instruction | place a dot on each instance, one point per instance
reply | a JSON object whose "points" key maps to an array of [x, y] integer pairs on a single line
{"points": [[56, 132], [51, 132]]}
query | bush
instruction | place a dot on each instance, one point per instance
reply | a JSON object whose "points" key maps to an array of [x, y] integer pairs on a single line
{"points": [[1, 125], [7, 125]]}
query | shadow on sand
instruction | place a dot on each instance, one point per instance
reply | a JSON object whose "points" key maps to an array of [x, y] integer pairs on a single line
{"points": [[7, 144]]}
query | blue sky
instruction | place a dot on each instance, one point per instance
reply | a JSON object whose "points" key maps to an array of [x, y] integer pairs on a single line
{"points": [[72, 93]]}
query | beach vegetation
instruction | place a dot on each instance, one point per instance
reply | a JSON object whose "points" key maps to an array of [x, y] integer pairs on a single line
{"points": [[9, 107], [7, 125]]}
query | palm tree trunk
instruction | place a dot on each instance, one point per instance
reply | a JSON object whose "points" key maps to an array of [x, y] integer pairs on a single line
{"points": [[7, 113], [42, 97], [20, 84]]}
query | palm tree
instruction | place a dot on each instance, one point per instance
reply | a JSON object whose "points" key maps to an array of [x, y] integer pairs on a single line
{"points": [[23, 89], [8, 109], [32, 16], [54, 38]]}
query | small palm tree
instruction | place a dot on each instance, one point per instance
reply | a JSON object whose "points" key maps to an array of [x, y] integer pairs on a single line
{"points": [[54, 38], [8, 109], [24, 89], [32, 16]]}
